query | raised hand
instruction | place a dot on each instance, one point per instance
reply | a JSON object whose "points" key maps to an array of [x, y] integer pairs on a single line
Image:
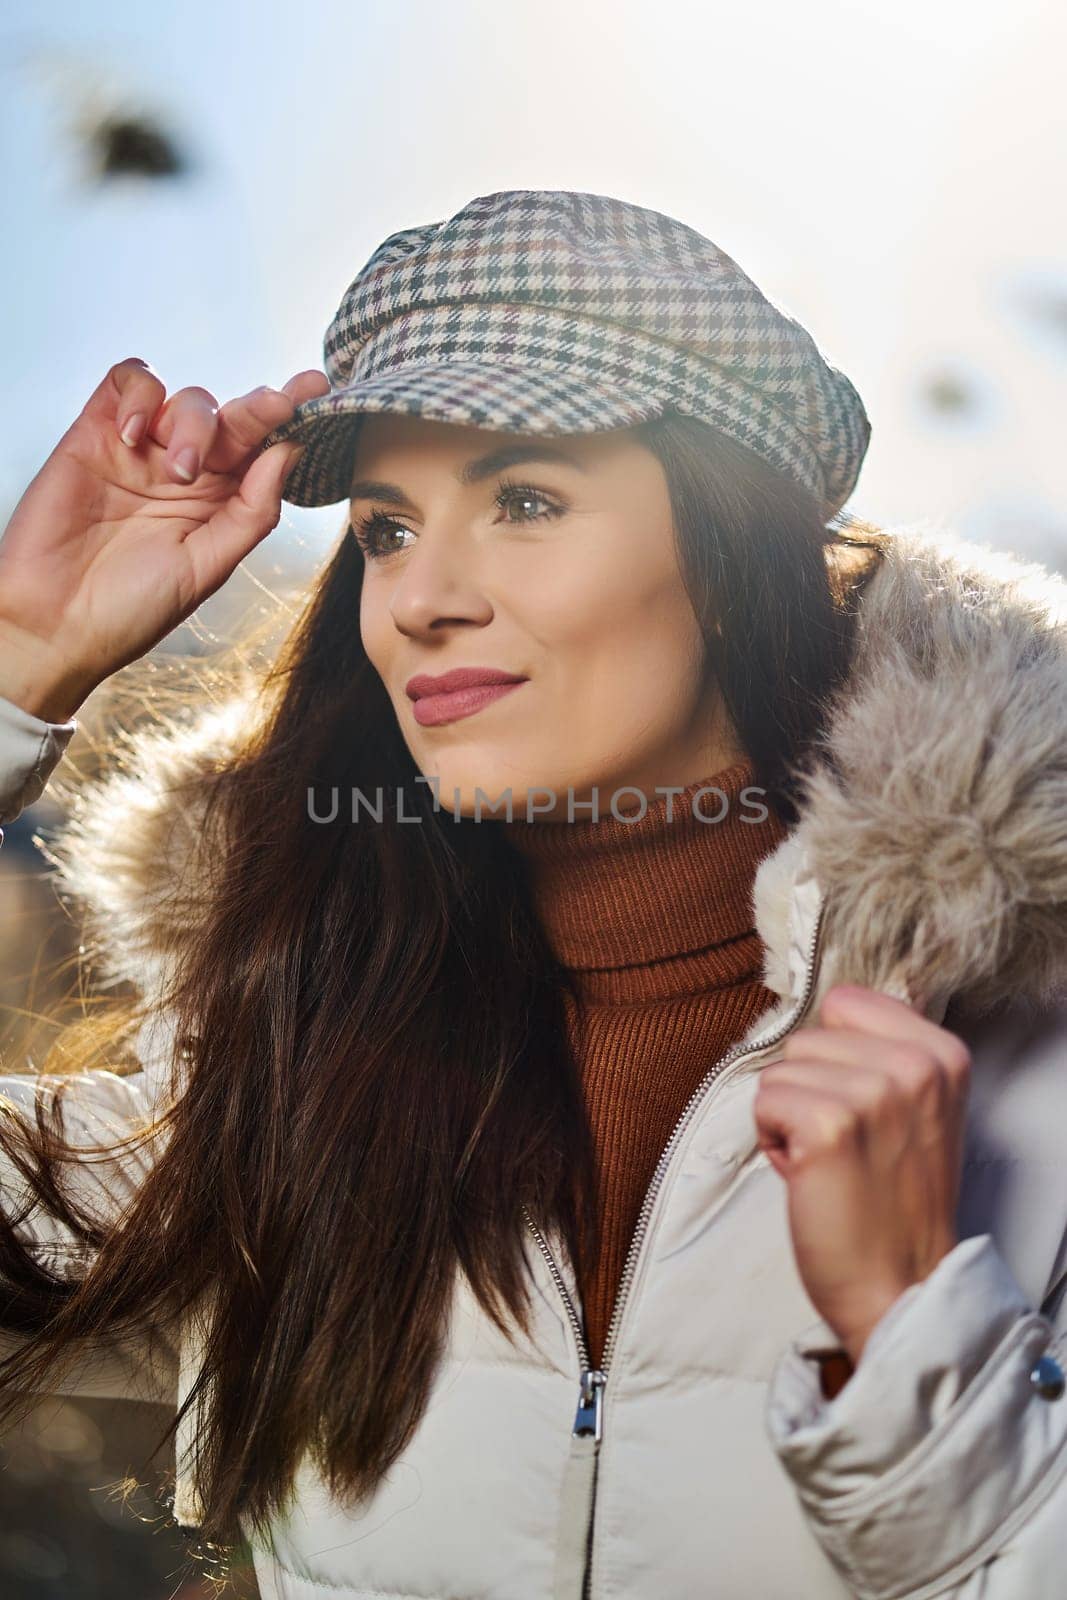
{"points": [[144, 508]]}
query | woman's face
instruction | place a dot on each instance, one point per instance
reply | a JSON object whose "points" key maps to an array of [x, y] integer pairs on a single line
{"points": [[552, 559]]}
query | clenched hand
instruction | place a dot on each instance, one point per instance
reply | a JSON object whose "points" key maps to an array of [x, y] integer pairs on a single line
{"points": [[863, 1116]]}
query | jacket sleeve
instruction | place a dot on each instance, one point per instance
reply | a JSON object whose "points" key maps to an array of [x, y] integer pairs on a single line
{"points": [[29, 751], [940, 1469], [98, 1107]]}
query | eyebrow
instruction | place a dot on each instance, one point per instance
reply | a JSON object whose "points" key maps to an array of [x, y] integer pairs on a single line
{"points": [[471, 472]]}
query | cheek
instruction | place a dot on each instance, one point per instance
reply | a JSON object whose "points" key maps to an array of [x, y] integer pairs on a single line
{"points": [[630, 635], [375, 629]]}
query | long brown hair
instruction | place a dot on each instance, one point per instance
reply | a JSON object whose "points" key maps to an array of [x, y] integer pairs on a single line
{"points": [[374, 1074]]}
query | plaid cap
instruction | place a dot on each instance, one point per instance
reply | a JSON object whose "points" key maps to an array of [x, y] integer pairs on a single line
{"points": [[548, 311]]}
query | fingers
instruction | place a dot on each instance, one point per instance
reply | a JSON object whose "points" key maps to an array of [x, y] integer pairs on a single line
{"points": [[306, 385], [245, 519], [801, 1116], [893, 1074], [196, 433], [244, 423], [914, 1067], [186, 427], [868, 1011], [796, 1122], [128, 395], [870, 1094]]}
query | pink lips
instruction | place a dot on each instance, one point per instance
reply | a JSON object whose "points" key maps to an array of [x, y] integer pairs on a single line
{"points": [[458, 693]]}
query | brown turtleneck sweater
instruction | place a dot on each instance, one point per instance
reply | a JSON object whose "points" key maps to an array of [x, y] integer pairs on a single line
{"points": [[654, 918]]}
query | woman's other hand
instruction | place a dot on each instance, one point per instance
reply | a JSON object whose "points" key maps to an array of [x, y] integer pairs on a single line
{"points": [[144, 509], [863, 1116]]}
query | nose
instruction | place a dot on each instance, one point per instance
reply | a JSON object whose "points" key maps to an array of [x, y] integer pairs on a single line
{"points": [[438, 586]]}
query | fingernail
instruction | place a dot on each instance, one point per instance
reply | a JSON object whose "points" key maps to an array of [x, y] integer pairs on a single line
{"points": [[187, 463], [135, 427]]}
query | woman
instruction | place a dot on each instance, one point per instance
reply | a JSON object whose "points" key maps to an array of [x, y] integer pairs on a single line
{"points": [[595, 1130]]}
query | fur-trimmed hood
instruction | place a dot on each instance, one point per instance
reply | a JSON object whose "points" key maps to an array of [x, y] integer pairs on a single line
{"points": [[933, 823]]}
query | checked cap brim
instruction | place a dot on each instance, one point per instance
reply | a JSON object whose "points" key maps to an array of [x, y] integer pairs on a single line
{"points": [[519, 399]]}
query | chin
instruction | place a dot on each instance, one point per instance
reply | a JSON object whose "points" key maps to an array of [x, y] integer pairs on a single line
{"points": [[486, 794]]}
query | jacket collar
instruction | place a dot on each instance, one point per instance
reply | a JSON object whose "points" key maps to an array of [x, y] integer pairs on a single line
{"points": [[932, 828], [933, 824]]}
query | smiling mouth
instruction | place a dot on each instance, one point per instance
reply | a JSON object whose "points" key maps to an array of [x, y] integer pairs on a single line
{"points": [[430, 710]]}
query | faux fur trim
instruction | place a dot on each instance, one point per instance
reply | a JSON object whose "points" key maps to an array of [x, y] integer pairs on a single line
{"points": [[128, 855], [934, 818]]}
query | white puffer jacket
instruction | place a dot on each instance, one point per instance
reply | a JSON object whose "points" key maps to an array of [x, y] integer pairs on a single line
{"points": [[702, 1461]]}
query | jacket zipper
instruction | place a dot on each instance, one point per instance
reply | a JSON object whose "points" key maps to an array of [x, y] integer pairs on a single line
{"points": [[588, 1417]]}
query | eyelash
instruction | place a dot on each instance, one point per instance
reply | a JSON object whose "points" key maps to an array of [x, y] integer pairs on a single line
{"points": [[366, 529]]}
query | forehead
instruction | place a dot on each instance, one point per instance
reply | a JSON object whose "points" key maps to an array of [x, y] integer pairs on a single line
{"points": [[400, 439]]}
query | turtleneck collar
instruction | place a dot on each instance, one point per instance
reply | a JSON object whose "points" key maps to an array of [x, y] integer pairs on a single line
{"points": [[653, 907]]}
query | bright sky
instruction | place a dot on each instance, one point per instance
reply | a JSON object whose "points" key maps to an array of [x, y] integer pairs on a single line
{"points": [[890, 175]]}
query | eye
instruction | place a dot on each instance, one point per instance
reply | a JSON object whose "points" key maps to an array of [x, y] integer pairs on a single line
{"points": [[372, 532], [517, 493]]}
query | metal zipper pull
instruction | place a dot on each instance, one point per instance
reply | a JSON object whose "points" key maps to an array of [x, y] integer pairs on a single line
{"points": [[587, 1419], [570, 1577]]}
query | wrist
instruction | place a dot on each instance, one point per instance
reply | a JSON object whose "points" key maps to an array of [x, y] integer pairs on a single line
{"points": [[852, 1346], [32, 678], [853, 1337], [51, 701]]}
